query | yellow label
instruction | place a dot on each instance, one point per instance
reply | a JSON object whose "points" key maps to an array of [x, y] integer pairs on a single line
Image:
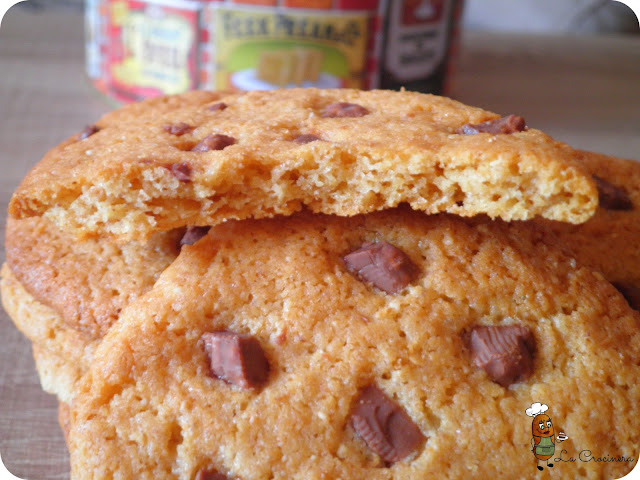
{"points": [[119, 11], [156, 52], [273, 48]]}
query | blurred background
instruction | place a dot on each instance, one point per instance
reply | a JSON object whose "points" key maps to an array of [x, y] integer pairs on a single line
{"points": [[551, 16]]}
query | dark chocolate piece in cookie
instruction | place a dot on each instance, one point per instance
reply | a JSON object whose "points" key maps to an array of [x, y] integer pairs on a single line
{"points": [[612, 197], [344, 109], [193, 234], [504, 352], [384, 426], [508, 124], [236, 359], [383, 265], [214, 142]]}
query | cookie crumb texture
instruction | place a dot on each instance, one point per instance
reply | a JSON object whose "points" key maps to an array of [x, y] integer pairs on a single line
{"points": [[149, 407], [144, 167]]}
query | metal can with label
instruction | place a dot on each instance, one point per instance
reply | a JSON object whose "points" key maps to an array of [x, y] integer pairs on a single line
{"points": [[142, 48]]}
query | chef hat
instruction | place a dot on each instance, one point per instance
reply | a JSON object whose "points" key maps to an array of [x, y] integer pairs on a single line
{"points": [[536, 409]]}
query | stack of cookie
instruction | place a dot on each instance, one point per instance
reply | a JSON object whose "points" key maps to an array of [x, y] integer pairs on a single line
{"points": [[329, 284]]}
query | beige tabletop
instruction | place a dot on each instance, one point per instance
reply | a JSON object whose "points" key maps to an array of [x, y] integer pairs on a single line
{"points": [[582, 90]]}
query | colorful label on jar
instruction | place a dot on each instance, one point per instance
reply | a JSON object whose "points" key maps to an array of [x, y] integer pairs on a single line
{"points": [[283, 47], [153, 47]]}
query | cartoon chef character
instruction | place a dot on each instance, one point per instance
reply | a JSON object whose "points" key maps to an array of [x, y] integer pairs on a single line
{"points": [[543, 443]]}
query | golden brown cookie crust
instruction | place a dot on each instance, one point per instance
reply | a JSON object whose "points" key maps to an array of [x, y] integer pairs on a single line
{"points": [[58, 375], [149, 409], [64, 294], [87, 282], [62, 354], [134, 177], [64, 419]]}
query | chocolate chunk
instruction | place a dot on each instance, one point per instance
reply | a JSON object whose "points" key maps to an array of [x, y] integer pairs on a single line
{"points": [[504, 352], [508, 124], [178, 129], [306, 138], [210, 475], [182, 171], [193, 234], [384, 426], [383, 265], [236, 359], [213, 142], [612, 197], [344, 109], [87, 132], [630, 292], [217, 106]]}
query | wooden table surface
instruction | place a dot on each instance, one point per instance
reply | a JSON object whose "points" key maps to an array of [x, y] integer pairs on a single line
{"points": [[581, 90]]}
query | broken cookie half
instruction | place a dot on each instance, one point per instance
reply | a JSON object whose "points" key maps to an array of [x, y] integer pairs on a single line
{"points": [[181, 160]]}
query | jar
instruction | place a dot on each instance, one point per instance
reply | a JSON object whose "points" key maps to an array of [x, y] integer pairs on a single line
{"points": [[142, 48]]}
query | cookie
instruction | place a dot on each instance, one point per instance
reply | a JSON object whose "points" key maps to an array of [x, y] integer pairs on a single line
{"points": [[64, 295], [213, 157], [61, 353], [608, 242], [64, 419], [392, 345], [59, 375], [88, 282], [38, 322]]}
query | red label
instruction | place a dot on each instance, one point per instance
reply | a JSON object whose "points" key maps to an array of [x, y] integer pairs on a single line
{"points": [[153, 48]]}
